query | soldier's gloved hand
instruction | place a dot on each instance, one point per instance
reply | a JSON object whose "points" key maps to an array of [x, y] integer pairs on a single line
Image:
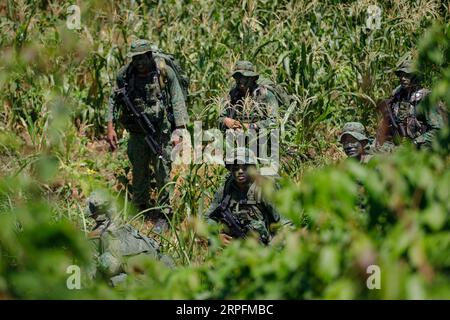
{"points": [[112, 137], [231, 123], [225, 239]]}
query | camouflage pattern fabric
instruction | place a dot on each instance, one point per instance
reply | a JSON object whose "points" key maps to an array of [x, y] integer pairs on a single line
{"points": [[249, 207], [357, 131], [148, 96], [386, 147], [117, 244], [146, 93], [413, 121], [245, 68], [260, 107], [420, 125]]}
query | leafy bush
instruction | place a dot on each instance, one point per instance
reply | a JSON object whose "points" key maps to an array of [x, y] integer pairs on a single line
{"points": [[392, 213]]}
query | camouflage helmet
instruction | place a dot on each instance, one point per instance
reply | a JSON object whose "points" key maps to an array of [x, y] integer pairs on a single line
{"points": [[141, 46], [245, 68], [354, 129], [240, 155], [100, 205], [405, 67]]}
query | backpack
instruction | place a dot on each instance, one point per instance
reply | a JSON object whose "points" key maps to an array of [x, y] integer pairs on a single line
{"points": [[283, 98], [165, 59]]}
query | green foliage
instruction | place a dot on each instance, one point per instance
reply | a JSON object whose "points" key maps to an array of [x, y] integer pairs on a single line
{"points": [[394, 212], [35, 250]]}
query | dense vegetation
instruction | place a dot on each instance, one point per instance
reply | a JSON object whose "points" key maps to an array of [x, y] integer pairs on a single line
{"points": [[394, 213]]}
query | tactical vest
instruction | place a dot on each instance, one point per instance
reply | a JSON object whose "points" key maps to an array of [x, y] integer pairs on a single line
{"points": [[149, 96], [404, 112], [250, 211]]}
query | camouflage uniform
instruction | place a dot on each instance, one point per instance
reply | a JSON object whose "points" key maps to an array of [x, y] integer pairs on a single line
{"points": [[414, 123], [357, 131], [250, 207], [117, 244], [148, 94], [262, 108]]}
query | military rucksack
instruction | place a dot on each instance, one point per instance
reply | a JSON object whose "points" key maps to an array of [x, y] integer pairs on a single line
{"points": [[165, 59], [283, 97]]}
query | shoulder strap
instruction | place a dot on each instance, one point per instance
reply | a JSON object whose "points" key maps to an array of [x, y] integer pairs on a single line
{"points": [[161, 66], [254, 194], [226, 194]]}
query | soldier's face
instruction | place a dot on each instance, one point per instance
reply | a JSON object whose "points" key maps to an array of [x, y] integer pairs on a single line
{"points": [[353, 148], [241, 173], [244, 83], [142, 63], [405, 80]]}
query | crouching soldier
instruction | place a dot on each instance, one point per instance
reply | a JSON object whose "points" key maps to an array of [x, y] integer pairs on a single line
{"points": [[403, 114], [117, 244], [240, 206], [355, 142]]}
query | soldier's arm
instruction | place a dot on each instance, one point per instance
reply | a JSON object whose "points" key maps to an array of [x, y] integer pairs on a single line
{"points": [[177, 99], [274, 217], [226, 120], [218, 196], [434, 122], [271, 111], [112, 101], [222, 116], [273, 214], [111, 108]]}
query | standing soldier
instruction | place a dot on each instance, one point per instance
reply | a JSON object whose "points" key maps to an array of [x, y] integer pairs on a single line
{"points": [[250, 104], [355, 142], [404, 115], [239, 205], [153, 88]]}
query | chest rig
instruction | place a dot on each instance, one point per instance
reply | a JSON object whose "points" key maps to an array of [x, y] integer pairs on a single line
{"points": [[404, 110], [147, 94], [249, 210]]}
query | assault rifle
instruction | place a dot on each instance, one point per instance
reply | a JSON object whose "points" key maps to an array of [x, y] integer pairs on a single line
{"points": [[143, 121], [385, 107], [388, 128], [223, 214]]}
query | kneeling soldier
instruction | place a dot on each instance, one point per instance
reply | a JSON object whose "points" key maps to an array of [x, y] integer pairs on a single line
{"points": [[239, 205]]}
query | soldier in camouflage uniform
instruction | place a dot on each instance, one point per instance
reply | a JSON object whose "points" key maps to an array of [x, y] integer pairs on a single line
{"points": [[403, 115], [242, 195], [147, 80], [355, 142], [250, 104], [116, 244]]}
